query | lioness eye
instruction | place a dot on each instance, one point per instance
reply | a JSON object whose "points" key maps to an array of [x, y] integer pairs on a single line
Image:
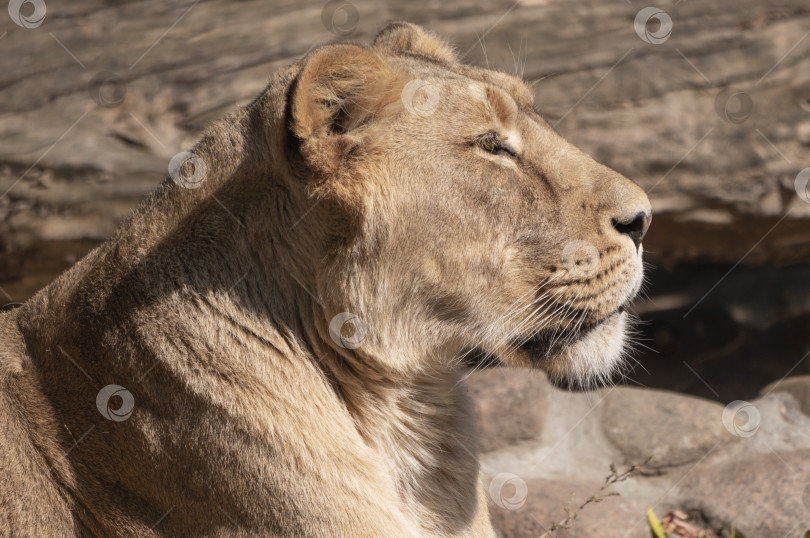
{"points": [[491, 143], [503, 151]]}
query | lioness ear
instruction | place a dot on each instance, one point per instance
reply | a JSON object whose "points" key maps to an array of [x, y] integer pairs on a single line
{"points": [[409, 37], [338, 90]]}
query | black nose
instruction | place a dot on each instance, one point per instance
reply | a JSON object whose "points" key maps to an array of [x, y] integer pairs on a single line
{"points": [[636, 228]]}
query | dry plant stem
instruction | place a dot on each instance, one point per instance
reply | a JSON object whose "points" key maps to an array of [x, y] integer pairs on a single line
{"points": [[571, 516]]}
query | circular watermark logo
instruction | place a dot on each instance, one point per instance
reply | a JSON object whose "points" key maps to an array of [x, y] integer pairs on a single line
{"points": [[508, 491], [348, 330], [645, 22], [420, 97], [107, 89], [34, 12], [581, 258], [103, 403], [741, 418], [187, 170], [340, 17], [801, 185], [733, 105]]}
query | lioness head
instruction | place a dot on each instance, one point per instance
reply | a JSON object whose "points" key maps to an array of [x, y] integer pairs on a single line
{"points": [[445, 220]]}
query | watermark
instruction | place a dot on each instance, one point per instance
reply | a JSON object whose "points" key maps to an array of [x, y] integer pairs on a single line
{"points": [[420, 97], [107, 89], [801, 185], [340, 17], [103, 403], [187, 170], [741, 418], [645, 21], [348, 330], [34, 14], [508, 491], [581, 258], [733, 105]]}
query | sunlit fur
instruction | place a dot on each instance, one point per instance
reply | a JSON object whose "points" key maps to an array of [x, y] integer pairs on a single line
{"points": [[442, 223]]}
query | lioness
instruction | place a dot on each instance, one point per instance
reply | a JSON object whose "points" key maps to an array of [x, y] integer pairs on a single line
{"points": [[274, 342]]}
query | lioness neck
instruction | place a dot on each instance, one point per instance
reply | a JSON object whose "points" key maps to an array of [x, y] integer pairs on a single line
{"points": [[423, 431]]}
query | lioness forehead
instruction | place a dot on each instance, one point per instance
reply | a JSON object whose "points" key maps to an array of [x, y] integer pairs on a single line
{"points": [[514, 86]]}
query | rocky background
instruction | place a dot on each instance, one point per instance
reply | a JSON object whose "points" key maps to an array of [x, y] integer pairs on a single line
{"points": [[712, 118]]}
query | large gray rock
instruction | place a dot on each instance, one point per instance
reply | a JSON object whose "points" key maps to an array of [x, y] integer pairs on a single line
{"points": [[668, 428], [510, 405], [766, 495]]}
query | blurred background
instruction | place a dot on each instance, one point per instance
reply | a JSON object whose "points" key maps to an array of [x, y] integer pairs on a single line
{"points": [[705, 104]]}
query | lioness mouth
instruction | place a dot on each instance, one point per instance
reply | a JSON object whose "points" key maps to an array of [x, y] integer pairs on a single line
{"points": [[548, 343]]}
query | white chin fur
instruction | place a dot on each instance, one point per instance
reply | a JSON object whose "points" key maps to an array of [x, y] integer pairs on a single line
{"points": [[594, 359]]}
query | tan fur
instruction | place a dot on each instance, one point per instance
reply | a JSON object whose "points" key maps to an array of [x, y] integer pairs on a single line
{"points": [[213, 305]]}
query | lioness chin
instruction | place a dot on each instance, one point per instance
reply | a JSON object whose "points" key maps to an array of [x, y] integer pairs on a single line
{"points": [[280, 349]]}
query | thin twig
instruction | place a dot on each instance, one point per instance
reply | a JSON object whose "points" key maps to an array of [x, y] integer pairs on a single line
{"points": [[571, 516]]}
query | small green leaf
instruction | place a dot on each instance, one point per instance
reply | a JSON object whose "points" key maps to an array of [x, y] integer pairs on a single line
{"points": [[655, 525], [807, 533]]}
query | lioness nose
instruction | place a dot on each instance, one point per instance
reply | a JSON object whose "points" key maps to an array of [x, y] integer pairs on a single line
{"points": [[635, 227]]}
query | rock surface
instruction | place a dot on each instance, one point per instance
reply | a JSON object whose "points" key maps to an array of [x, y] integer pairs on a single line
{"points": [[547, 501], [745, 464], [667, 428], [498, 393], [798, 387], [736, 491]]}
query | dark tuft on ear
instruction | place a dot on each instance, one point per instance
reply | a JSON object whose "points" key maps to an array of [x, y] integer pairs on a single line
{"points": [[403, 36]]}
